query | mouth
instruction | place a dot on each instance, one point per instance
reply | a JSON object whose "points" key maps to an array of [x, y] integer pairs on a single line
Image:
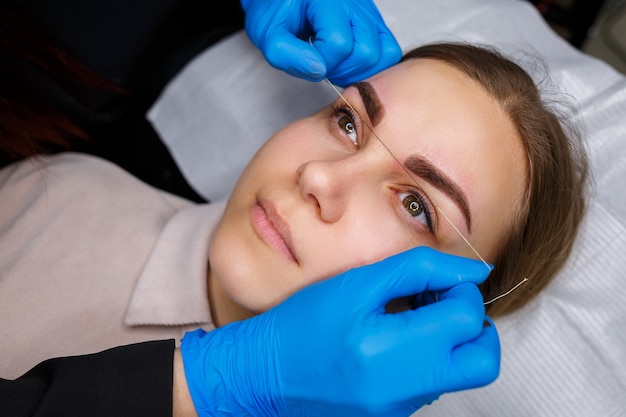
{"points": [[272, 229]]}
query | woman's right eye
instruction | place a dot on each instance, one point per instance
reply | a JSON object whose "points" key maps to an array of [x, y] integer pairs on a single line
{"points": [[347, 124]]}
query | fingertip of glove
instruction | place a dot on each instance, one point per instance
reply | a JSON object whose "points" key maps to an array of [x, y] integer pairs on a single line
{"points": [[312, 70]]}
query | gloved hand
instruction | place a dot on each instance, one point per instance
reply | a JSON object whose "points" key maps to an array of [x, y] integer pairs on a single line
{"points": [[351, 40], [331, 350]]}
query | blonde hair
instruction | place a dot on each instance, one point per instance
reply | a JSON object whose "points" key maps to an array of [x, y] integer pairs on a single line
{"points": [[540, 241]]}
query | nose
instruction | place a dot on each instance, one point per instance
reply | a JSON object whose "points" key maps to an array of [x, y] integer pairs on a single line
{"points": [[326, 184]]}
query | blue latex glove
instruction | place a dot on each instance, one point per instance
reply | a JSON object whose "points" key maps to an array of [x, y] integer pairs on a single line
{"points": [[331, 350], [351, 40]]}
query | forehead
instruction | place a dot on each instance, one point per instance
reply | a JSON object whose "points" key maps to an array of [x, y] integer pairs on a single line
{"points": [[431, 107], [423, 84]]}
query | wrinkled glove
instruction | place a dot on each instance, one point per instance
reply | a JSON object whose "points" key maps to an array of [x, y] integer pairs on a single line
{"points": [[331, 349], [351, 39]]}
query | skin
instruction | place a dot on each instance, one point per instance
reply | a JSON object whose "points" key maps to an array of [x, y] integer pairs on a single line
{"points": [[182, 404], [310, 204]]}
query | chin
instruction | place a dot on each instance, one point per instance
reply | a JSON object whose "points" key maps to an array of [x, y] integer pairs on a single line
{"points": [[253, 299], [244, 284]]}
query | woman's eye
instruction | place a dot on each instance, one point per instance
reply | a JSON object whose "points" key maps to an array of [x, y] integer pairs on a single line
{"points": [[416, 207], [347, 125]]}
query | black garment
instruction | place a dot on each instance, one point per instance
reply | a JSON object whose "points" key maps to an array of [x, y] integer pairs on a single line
{"points": [[134, 381]]}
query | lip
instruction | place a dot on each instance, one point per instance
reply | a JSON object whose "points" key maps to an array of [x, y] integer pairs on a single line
{"points": [[272, 229]]}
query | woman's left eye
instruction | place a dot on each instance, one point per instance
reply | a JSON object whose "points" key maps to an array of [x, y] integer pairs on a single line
{"points": [[416, 207]]}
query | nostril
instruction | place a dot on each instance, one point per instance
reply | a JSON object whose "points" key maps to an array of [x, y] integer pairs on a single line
{"points": [[315, 201], [319, 186]]}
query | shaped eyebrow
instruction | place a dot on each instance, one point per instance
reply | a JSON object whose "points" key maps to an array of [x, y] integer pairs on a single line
{"points": [[426, 170], [373, 106], [417, 165]]}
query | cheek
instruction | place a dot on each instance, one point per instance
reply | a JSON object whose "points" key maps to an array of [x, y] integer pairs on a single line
{"points": [[294, 138], [366, 240], [276, 161]]}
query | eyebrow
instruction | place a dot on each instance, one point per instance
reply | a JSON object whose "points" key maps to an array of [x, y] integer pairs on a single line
{"points": [[417, 165], [424, 169], [374, 108]]}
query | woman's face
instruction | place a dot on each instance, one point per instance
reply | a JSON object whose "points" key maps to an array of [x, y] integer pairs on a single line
{"points": [[311, 204]]}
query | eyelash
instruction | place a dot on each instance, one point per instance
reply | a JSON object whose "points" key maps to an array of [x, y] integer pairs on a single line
{"points": [[340, 111]]}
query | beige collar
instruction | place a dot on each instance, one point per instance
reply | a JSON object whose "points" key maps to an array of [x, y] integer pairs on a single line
{"points": [[171, 289]]}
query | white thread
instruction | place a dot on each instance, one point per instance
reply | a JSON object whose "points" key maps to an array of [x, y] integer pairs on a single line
{"points": [[409, 174], [495, 298], [506, 293], [418, 186], [436, 206]]}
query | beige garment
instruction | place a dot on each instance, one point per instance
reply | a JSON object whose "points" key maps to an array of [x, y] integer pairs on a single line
{"points": [[91, 257]]}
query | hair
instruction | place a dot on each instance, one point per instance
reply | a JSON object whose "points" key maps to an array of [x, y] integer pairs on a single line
{"points": [[539, 242]]}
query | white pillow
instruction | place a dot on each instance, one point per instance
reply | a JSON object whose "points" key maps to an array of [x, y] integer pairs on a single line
{"points": [[565, 353]]}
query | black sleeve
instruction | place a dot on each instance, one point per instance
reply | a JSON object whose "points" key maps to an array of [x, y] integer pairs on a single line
{"points": [[133, 380]]}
